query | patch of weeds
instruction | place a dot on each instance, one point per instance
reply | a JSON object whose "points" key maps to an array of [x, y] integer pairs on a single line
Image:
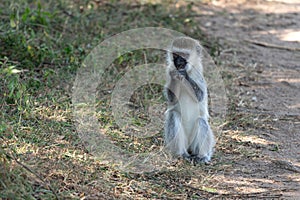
{"points": [[14, 93]]}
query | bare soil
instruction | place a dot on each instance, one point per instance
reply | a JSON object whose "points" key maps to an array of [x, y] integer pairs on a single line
{"points": [[261, 50]]}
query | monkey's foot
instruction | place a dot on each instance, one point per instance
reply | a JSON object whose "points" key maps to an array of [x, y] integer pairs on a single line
{"points": [[193, 159], [199, 160], [187, 157]]}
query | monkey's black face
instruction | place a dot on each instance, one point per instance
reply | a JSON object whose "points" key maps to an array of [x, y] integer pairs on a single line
{"points": [[179, 62]]}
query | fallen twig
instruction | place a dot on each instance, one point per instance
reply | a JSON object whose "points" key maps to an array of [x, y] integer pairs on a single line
{"points": [[286, 165], [264, 44]]}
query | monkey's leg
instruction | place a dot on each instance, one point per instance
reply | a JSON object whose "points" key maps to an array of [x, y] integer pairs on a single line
{"points": [[175, 138], [202, 145]]}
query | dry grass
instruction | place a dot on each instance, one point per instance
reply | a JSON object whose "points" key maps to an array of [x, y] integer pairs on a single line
{"points": [[41, 155]]}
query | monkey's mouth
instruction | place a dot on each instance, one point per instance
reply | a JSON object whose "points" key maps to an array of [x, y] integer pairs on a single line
{"points": [[179, 62]]}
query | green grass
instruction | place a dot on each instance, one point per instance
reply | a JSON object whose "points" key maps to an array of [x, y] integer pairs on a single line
{"points": [[42, 44]]}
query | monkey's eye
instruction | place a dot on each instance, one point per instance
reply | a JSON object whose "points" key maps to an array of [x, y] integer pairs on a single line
{"points": [[179, 61]]}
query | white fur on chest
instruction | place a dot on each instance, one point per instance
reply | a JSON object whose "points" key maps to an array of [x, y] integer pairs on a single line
{"points": [[190, 111]]}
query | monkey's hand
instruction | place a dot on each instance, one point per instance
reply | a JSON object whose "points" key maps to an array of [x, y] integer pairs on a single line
{"points": [[175, 75]]}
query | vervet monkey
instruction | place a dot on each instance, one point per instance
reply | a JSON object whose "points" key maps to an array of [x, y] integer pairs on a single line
{"points": [[187, 131]]}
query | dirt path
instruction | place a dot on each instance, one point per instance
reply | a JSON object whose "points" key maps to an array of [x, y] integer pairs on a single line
{"points": [[261, 49]]}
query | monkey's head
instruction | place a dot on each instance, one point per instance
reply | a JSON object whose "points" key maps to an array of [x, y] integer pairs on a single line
{"points": [[186, 54]]}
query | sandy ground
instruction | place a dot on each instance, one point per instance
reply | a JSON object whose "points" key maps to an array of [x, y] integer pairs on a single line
{"points": [[261, 46]]}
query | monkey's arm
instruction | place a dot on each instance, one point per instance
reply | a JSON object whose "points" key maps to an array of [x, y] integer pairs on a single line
{"points": [[192, 87], [173, 88]]}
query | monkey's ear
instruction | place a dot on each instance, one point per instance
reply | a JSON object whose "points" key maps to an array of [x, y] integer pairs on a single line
{"points": [[199, 50]]}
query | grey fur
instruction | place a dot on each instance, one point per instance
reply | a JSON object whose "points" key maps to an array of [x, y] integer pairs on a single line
{"points": [[187, 131]]}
